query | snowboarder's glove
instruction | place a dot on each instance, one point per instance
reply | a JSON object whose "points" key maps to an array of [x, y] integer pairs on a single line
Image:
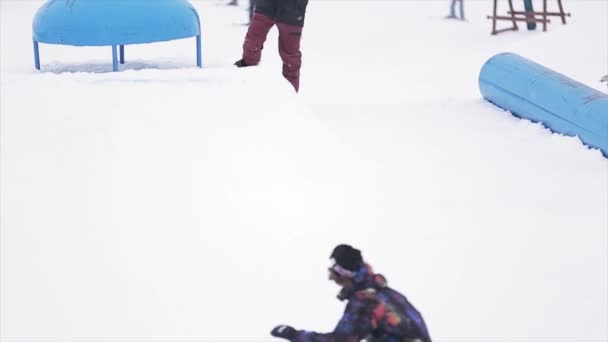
{"points": [[284, 331]]}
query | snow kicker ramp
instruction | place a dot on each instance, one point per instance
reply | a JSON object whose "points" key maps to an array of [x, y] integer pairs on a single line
{"points": [[531, 91]]}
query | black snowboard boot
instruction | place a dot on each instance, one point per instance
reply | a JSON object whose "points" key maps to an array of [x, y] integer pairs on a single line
{"points": [[241, 63]]}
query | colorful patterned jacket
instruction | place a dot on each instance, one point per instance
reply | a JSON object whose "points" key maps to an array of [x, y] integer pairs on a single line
{"points": [[374, 312]]}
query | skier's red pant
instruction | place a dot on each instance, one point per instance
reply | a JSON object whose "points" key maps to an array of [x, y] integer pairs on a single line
{"points": [[289, 46]]}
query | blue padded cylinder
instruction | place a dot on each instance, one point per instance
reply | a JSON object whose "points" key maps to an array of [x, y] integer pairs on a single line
{"points": [[531, 91]]}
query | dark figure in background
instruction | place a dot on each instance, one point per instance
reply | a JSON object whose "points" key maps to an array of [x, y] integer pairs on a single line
{"points": [[288, 16], [251, 6], [374, 311], [251, 9], [453, 10]]}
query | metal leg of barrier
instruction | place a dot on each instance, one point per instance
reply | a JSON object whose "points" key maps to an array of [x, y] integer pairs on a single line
{"points": [[114, 59], [36, 56], [199, 56]]}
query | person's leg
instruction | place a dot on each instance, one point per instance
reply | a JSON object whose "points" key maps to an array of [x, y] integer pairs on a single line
{"points": [[461, 9], [289, 49], [452, 9], [255, 38]]}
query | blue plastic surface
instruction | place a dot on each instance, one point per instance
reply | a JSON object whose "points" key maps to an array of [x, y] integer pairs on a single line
{"points": [[532, 91], [114, 22]]}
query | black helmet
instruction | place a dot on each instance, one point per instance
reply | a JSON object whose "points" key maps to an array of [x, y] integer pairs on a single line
{"points": [[347, 257]]}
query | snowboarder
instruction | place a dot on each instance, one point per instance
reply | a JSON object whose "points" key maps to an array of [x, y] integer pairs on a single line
{"points": [[288, 15], [453, 10], [374, 311]]}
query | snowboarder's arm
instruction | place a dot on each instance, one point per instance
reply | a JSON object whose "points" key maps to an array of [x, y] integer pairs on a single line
{"points": [[355, 325]]}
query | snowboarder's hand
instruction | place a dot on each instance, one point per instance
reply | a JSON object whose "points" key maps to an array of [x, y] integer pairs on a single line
{"points": [[284, 331]]}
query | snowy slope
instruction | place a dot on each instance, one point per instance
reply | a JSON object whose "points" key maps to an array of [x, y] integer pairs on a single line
{"points": [[166, 202]]}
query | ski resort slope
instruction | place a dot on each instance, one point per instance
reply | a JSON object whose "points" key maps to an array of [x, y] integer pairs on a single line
{"points": [[170, 203]]}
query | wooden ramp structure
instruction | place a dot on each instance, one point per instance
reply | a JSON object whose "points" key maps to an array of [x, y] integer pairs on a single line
{"points": [[529, 16]]}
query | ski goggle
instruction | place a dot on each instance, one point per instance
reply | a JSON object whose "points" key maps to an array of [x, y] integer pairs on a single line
{"points": [[341, 271]]}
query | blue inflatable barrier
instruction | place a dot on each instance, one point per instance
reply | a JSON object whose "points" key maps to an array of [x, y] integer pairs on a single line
{"points": [[114, 23], [533, 92]]}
